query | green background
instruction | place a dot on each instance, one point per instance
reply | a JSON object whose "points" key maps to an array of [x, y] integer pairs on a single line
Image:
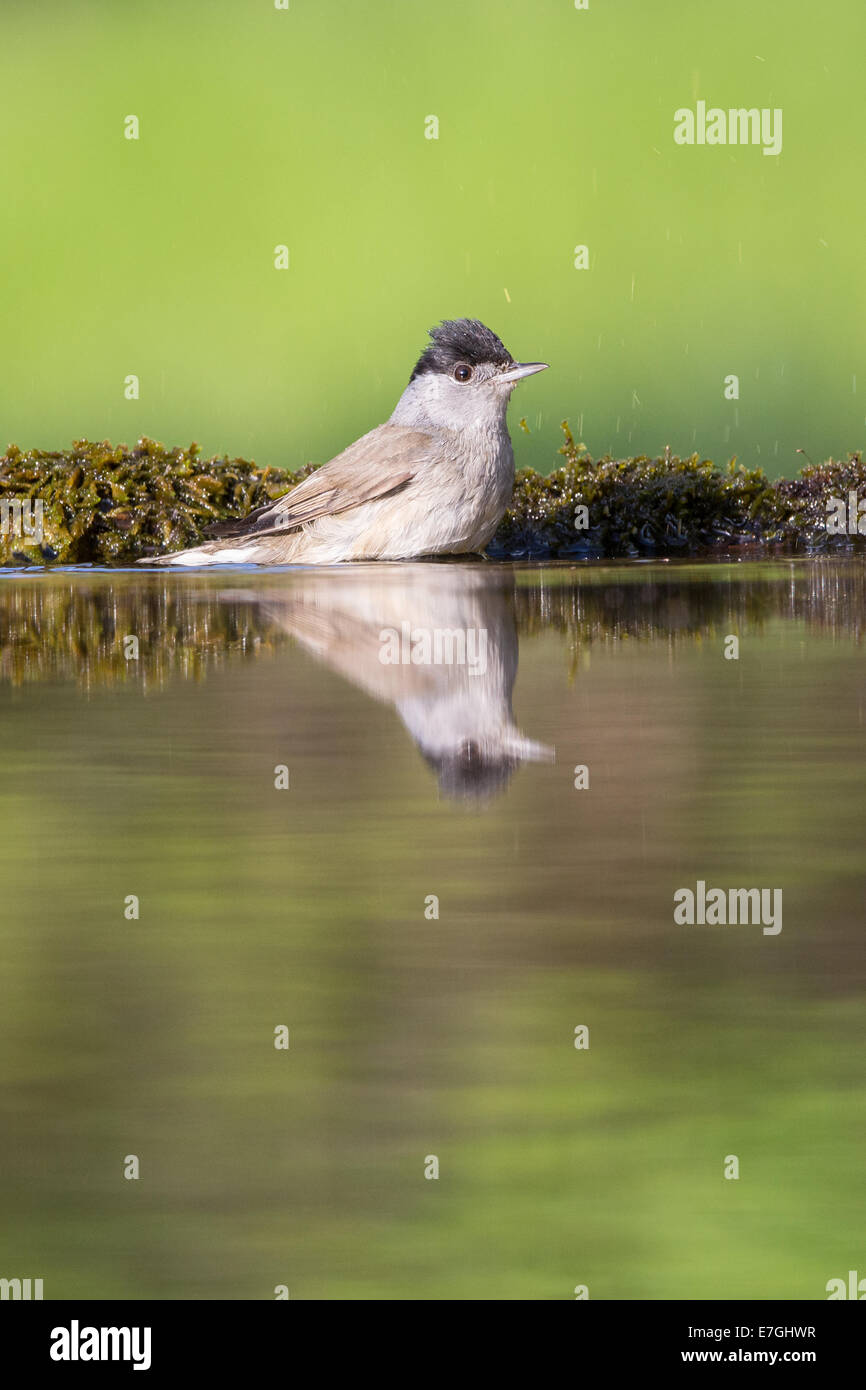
{"points": [[306, 127]]}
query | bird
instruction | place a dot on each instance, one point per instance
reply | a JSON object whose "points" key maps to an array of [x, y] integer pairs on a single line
{"points": [[434, 479]]}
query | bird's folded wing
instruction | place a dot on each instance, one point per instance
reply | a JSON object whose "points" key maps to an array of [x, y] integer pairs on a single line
{"points": [[376, 464]]}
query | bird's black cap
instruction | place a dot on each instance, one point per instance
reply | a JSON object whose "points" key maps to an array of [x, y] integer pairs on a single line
{"points": [[461, 340]]}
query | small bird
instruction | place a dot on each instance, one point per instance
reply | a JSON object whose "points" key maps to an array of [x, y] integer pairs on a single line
{"points": [[434, 479]]}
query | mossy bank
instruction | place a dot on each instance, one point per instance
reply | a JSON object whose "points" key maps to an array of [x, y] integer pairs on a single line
{"points": [[105, 504]]}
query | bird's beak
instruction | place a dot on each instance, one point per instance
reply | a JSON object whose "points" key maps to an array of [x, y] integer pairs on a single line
{"points": [[526, 749], [522, 369]]}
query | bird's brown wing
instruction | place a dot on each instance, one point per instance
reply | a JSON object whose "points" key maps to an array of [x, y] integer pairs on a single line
{"points": [[376, 464]]}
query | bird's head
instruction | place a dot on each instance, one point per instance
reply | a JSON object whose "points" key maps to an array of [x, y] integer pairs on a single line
{"points": [[464, 377]]}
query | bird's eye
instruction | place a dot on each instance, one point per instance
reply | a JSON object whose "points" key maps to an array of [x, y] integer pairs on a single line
{"points": [[462, 372]]}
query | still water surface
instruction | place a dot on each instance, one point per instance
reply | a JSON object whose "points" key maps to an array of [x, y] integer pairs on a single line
{"points": [[417, 788]]}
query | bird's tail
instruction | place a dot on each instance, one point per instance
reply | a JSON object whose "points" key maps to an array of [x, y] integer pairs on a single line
{"points": [[225, 552]]}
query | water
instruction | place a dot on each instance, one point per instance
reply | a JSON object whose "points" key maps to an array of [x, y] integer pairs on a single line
{"points": [[413, 1034]]}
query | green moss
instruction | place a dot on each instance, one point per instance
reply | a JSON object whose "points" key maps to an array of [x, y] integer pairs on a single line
{"points": [[667, 506], [106, 504]]}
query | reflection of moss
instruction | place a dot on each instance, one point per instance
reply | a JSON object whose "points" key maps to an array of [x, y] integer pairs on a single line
{"points": [[76, 632], [54, 630], [601, 607], [105, 504]]}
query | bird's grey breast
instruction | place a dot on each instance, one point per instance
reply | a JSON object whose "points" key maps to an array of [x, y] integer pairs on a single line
{"points": [[488, 477]]}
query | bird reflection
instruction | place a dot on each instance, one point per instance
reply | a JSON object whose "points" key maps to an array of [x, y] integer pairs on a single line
{"points": [[436, 641]]}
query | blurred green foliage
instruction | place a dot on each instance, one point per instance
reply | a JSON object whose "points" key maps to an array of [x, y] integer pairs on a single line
{"points": [[306, 128]]}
